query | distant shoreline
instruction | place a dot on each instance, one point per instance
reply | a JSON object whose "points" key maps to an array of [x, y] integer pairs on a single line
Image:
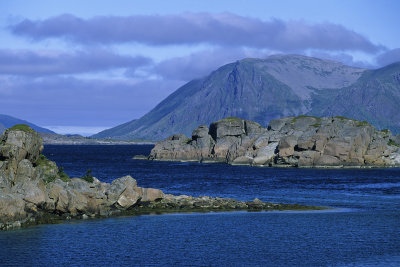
{"points": [[57, 139]]}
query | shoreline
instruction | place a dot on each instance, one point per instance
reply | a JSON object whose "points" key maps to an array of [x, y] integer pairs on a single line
{"points": [[278, 166], [153, 208]]}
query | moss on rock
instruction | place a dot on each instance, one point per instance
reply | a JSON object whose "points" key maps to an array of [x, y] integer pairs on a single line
{"points": [[21, 127]]}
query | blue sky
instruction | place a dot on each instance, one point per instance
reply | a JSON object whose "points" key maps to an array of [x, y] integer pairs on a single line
{"points": [[81, 66]]}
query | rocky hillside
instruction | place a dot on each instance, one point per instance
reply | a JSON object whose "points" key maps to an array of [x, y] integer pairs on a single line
{"points": [[34, 190], [375, 97], [264, 89], [8, 121], [302, 141]]}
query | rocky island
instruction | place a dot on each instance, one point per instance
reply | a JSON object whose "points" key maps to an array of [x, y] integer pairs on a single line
{"points": [[34, 190], [303, 141]]}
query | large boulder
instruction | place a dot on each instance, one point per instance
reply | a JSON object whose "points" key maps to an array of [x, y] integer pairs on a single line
{"points": [[266, 154], [176, 147], [12, 208], [57, 197], [151, 194], [20, 143], [227, 127], [277, 124], [123, 192], [202, 141], [286, 145]]}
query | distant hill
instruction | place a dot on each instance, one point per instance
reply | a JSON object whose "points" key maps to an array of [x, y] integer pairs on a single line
{"points": [[8, 121], [265, 89]]}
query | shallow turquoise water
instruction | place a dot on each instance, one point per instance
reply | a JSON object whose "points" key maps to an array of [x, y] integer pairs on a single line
{"points": [[363, 231]]}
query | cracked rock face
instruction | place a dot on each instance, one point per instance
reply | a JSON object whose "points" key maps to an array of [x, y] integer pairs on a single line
{"points": [[302, 141]]}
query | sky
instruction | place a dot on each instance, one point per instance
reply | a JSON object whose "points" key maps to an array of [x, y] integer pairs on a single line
{"points": [[84, 66]]}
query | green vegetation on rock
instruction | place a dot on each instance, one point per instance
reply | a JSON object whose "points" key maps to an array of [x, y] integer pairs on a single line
{"points": [[343, 118], [88, 177], [362, 123], [393, 143], [21, 127], [49, 178], [230, 119], [63, 176], [42, 161], [50, 170]]}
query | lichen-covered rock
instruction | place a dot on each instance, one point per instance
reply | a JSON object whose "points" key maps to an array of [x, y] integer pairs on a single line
{"points": [[21, 144], [303, 141]]}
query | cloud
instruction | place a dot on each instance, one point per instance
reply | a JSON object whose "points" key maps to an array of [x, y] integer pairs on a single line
{"points": [[389, 57], [344, 58], [28, 62], [199, 64], [57, 100], [224, 29]]}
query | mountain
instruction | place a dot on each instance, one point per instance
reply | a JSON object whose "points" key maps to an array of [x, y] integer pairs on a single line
{"points": [[375, 98], [266, 89], [8, 121]]}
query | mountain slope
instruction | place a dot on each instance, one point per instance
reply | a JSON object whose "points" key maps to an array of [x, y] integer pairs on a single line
{"points": [[375, 98], [8, 121], [254, 89]]}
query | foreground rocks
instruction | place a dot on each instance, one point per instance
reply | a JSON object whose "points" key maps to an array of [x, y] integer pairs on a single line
{"points": [[302, 141], [34, 190]]}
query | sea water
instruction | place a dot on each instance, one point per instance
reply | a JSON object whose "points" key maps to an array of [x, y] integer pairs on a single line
{"points": [[363, 229]]}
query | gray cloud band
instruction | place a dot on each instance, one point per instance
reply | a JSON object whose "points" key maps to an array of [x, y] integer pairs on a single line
{"points": [[26, 62], [194, 28]]}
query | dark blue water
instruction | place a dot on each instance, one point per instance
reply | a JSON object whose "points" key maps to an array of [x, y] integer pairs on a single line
{"points": [[363, 231]]}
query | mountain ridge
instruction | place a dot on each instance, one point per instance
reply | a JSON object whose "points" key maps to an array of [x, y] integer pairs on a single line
{"points": [[266, 89], [7, 121]]}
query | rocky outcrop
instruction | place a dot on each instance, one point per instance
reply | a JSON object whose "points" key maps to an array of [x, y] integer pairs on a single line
{"points": [[32, 187], [303, 141], [34, 190]]}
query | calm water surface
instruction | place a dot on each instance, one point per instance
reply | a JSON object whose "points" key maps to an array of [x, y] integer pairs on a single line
{"points": [[364, 230]]}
